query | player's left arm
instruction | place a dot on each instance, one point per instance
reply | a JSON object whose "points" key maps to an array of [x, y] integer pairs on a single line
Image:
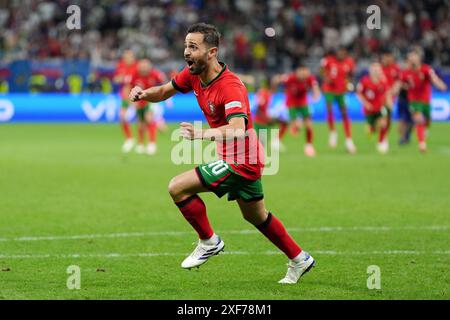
{"points": [[315, 90], [436, 81], [235, 129], [389, 99], [350, 78]]}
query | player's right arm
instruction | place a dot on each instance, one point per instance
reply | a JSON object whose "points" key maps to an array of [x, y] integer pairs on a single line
{"points": [[153, 94], [323, 69], [436, 81], [360, 94]]}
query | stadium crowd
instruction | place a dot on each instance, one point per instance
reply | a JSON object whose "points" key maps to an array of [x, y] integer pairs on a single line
{"points": [[302, 30]]}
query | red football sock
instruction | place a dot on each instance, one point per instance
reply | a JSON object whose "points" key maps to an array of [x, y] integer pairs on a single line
{"points": [[383, 132], [141, 134], [283, 129], [194, 211], [388, 126], [309, 135], [330, 120], [347, 126], [274, 230], [126, 130], [151, 129], [420, 132]]}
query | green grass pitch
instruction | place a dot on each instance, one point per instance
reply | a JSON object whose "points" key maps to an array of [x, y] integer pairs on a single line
{"points": [[68, 196]]}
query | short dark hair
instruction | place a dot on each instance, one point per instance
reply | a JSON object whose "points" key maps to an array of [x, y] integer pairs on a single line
{"points": [[416, 49], [210, 33], [386, 50]]}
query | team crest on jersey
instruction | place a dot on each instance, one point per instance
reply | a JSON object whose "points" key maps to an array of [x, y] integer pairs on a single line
{"points": [[211, 106]]}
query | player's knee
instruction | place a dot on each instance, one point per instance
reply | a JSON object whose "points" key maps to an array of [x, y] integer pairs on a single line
{"points": [[418, 118], [174, 187], [255, 217]]}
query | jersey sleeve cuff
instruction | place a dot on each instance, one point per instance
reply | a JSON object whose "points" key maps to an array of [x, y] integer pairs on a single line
{"points": [[177, 87], [237, 115]]}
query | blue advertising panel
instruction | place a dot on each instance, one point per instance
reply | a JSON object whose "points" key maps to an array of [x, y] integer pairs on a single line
{"points": [[105, 108], [21, 73]]}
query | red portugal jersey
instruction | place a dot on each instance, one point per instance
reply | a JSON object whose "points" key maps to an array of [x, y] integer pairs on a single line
{"points": [[221, 99], [153, 78], [125, 72], [263, 97], [418, 83], [374, 92], [337, 73], [392, 72], [296, 90]]}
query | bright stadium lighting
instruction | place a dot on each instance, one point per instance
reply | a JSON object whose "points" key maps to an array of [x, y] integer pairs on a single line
{"points": [[270, 32]]}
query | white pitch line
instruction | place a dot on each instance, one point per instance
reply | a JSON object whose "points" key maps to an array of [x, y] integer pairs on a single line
{"points": [[245, 231], [161, 254]]}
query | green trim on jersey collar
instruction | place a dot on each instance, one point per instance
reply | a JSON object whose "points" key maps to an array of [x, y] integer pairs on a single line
{"points": [[216, 77]]}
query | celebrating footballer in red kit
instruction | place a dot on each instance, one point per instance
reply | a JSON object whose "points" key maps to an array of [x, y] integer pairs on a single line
{"points": [[373, 91], [418, 78], [223, 99], [125, 70], [297, 85], [336, 70], [146, 76]]}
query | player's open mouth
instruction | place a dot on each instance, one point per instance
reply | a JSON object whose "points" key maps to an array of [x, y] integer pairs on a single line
{"points": [[190, 63]]}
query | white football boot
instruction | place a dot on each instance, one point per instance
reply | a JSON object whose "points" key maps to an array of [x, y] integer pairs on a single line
{"points": [[298, 267], [128, 145], [151, 148], [309, 150], [423, 147], [202, 253], [332, 139], [140, 149], [383, 147], [350, 146]]}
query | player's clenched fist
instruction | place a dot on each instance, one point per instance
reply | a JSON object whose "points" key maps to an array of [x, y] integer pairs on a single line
{"points": [[137, 93], [188, 131]]}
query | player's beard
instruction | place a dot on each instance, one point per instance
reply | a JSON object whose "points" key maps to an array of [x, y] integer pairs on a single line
{"points": [[198, 67]]}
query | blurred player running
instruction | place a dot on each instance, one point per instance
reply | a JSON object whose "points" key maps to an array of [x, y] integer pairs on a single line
{"points": [[418, 78], [223, 99], [145, 77], [297, 84], [336, 71], [125, 69], [392, 73], [263, 120], [374, 92]]}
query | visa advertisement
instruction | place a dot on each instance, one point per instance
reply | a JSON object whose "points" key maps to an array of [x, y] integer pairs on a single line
{"points": [[26, 107]]}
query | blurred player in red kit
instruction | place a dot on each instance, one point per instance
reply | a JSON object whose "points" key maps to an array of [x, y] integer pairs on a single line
{"points": [[392, 73], [223, 99], [418, 77], [263, 119], [297, 85], [337, 70], [374, 93], [125, 70], [146, 76]]}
